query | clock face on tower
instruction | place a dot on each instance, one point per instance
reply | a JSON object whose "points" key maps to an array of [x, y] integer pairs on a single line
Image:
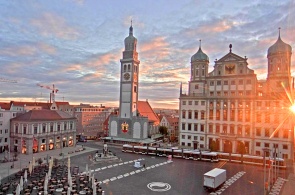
{"points": [[126, 76], [230, 68]]}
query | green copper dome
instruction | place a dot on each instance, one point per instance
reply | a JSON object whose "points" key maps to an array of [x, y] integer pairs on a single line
{"points": [[200, 55], [279, 47]]}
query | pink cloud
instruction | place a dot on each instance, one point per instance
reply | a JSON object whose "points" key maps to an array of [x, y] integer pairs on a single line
{"points": [[53, 25]]}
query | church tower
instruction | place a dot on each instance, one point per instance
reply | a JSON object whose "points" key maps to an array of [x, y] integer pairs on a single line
{"points": [[279, 66], [129, 124], [129, 77]]}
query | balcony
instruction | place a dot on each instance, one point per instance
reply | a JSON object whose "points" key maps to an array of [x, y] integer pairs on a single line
{"points": [[228, 135]]}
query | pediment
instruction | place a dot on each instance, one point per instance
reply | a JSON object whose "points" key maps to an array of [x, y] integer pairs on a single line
{"points": [[230, 57]]}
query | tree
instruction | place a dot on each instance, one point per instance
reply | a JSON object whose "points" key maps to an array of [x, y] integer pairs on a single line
{"points": [[163, 130]]}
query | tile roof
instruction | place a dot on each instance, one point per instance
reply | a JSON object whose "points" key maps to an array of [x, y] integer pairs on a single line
{"points": [[5, 105], [145, 109], [43, 115], [44, 105]]}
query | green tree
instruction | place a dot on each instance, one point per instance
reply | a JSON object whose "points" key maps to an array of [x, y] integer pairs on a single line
{"points": [[163, 130]]}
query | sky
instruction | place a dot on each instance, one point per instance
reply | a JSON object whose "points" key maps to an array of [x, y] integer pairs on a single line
{"points": [[77, 44]]}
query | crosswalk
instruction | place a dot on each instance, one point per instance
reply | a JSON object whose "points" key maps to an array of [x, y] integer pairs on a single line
{"points": [[124, 175], [275, 190], [229, 182]]}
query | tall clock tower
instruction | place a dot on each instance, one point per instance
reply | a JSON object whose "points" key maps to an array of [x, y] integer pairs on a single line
{"points": [[129, 124], [129, 77]]}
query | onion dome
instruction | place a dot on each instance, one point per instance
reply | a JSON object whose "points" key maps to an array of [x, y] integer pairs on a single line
{"points": [[279, 47], [200, 55], [130, 41]]}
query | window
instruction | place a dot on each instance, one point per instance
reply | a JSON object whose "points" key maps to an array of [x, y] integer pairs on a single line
{"points": [[225, 93], [211, 83], [248, 81], [58, 127], [218, 83], [196, 115], [258, 132], [202, 115], [189, 137], [266, 145], [44, 128], [285, 146], [202, 138], [203, 103], [51, 128], [196, 102], [196, 86], [285, 134], [135, 89], [241, 82], [202, 128], [233, 82], [183, 114], [182, 136], [217, 130], [183, 102], [189, 127], [1, 114], [195, 137], [25, 130], [258, 144], [183, 126], [258, 117], [71, 126], [195, 127], [240, 131], [266, 132], [225, 82], [65, 126], [189, 144], [189, 102], [182, 143], [210, 128], [189, 114], [35, 129]]}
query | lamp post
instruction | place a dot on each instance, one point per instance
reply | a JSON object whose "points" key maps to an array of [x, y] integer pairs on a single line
{"points": [[265, 184]]}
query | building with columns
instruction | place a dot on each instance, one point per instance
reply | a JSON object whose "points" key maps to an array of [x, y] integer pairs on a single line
{"points": [[42, 130], [229, 109]]}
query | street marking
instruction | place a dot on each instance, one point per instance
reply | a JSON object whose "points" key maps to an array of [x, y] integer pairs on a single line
{"points": [[137, 171], [110, 166], [103, 168], [229, 182], [275, 190], [159, 186]]}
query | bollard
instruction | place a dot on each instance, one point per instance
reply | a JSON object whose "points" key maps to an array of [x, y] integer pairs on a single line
{"points": [[102, 193]]}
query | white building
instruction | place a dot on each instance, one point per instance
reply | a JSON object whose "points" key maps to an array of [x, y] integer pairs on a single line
{"points": [[229, 108]]}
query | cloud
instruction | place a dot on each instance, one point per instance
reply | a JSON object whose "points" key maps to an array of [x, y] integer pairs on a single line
{"points": [[50, 25]]}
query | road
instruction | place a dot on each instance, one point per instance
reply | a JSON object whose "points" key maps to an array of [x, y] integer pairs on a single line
{"points": [[179, 177]]}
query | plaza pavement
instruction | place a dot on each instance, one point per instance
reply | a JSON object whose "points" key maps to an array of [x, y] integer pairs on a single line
{"points": [[24, 159]]}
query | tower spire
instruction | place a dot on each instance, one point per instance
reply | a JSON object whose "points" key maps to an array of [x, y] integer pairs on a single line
{"points": [[279, 32], [200, 43], [131, 29]]}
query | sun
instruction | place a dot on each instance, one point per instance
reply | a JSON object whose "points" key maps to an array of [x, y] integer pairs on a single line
{"points": [[292, 108]]}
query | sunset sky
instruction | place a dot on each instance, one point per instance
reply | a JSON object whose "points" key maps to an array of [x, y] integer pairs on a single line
{"points": [[77, 45]]}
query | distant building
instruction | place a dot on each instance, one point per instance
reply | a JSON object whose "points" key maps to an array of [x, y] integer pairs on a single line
{"points": [[171, 123], [90, 120], [5, 116], [229, 108], [42, 130]]}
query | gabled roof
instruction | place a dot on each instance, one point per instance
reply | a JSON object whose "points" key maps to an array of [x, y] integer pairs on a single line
{"points": [[43, 115], [5, 105], [146, 110], [231, 57]]}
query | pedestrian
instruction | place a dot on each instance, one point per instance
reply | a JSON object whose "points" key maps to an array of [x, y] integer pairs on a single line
{"points": [[143, 165], [99, 191]]}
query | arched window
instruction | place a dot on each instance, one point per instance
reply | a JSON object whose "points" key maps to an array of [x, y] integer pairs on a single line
{"points": [[124, 68], [128, 67]]}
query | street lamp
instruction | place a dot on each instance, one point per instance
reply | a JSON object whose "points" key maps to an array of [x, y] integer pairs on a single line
{"points": [[265, 184]]}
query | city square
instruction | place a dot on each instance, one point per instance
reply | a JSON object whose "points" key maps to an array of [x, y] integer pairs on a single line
{"points": [[157, 175]]}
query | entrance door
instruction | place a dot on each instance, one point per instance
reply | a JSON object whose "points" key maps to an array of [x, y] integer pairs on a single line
{"points": [[227, 147]]}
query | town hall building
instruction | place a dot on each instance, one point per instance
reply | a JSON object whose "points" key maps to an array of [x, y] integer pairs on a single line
{"points": [[229, 109]]}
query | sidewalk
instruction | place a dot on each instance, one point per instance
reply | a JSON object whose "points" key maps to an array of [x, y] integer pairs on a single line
{"points": [[24, 159]]}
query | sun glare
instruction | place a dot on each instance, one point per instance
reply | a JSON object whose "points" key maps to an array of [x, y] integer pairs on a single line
{"points": [[292, 108]]}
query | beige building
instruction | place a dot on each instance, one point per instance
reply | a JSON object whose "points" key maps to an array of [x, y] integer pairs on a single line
{"points": [[42, 130], [229, 108]]}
